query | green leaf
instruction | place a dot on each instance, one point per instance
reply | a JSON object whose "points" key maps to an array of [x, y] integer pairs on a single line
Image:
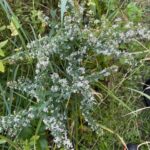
{"points": [[2, 68], [2, 53], [3, 43], [134, 12], [43, 143], [10, 142], [16, 22], [63, 8], [26, 133], [13, 29], [98, 7], [26, 145], [34, 139], [2, 141], [2, 28], [14, 26]]}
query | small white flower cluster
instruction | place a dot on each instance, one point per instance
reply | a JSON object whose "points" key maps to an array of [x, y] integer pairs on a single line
{"points": [[108, 71], [140, 33], [26, 86], [60, 85], [80, 83], [42, 64], [13, 124], [57, 127], [103, 73]]}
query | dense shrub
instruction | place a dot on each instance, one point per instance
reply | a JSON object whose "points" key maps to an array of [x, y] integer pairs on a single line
{"points": [[67, 64]]}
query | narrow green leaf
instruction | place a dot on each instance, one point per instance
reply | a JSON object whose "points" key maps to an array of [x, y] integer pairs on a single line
{"points": [[3, 43], [141, 93], [110, 93], [15, 22], [2, 68], [63, 8], [43, 143], [13, 29], [2, 53], [2, 28], [98, 7], [26, 145], [34, 139], [12, 143], [14, 26], [2, 141]]}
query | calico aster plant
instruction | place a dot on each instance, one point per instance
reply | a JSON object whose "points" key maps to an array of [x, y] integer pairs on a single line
{"points": [[62, 74]]}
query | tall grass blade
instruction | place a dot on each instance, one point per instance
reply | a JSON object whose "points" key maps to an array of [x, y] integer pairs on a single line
{"points": [[63, 9]]}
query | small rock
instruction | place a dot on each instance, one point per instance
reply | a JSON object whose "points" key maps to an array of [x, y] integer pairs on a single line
{"points": [[131, 146]]}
